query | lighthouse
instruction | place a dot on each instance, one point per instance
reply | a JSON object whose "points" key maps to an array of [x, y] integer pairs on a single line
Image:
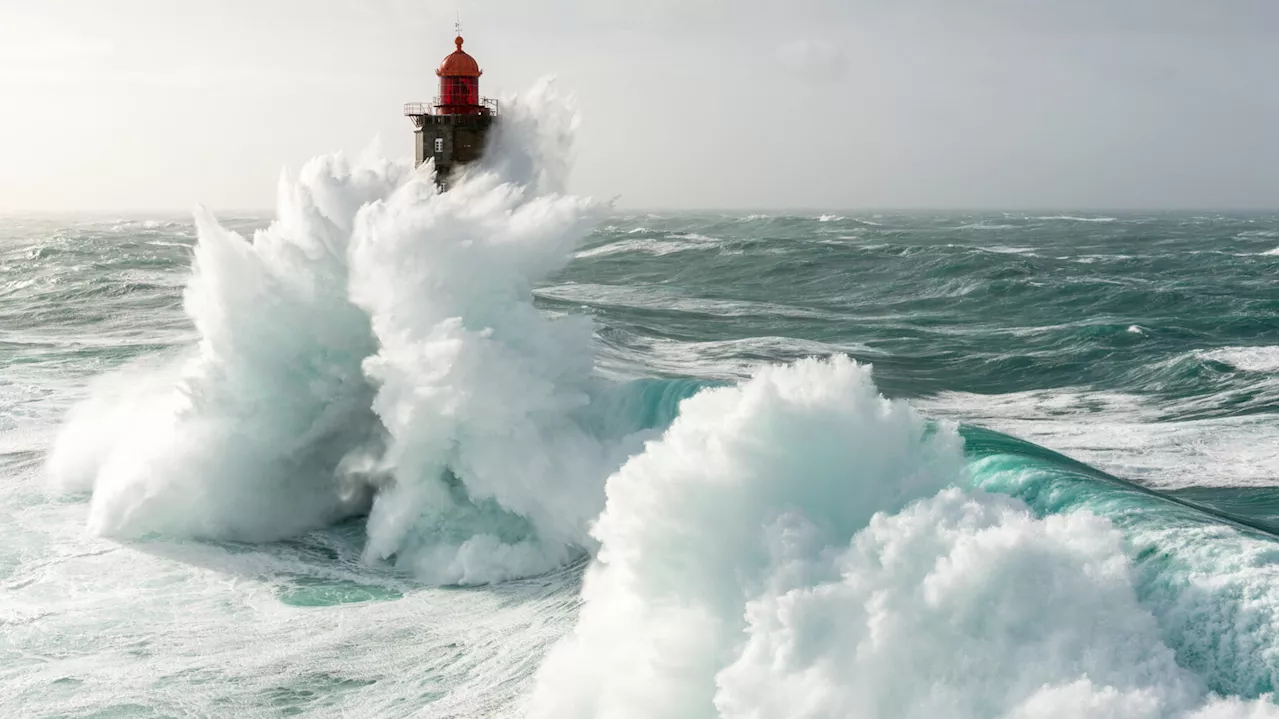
{"points": [[453, 128]]}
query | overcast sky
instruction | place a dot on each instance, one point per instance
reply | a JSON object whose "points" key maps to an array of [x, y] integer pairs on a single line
{"points": [[841, 104]]}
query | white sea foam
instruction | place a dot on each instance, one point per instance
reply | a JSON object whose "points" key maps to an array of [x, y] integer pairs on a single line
{"points": [[659, 297], [1009, 250], [273, 398], [646, 246], [376, 346], [1248, 359], [1091, 259], [1075, 218], [721, 360], [1121, 433], [494, 473], [789, 548]]}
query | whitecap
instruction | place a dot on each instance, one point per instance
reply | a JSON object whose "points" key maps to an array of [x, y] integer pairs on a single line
{"points": [[1246, 359]]}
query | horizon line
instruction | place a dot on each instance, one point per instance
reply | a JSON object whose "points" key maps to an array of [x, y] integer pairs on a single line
{"points": [[262, 211]]}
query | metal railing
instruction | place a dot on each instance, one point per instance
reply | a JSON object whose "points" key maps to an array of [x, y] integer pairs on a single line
{"points": [[433, 107]]}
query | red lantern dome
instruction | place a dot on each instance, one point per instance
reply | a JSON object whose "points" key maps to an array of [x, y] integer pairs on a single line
{"points": [[459, 83], [459, 63]]}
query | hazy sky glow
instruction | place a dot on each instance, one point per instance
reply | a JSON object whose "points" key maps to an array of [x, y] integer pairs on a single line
{"points": [[142, 104]]}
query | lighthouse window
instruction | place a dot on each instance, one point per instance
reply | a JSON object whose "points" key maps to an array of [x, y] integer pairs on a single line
{"points": [[439, 144]]}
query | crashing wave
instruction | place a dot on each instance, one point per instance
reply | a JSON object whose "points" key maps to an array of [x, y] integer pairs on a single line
{"points": [[798, 545], [376, 350]]}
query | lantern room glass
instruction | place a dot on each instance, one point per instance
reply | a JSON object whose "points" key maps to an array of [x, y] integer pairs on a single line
{"points": [[459, 91]]}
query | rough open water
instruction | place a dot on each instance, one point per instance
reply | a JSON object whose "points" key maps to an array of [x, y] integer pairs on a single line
{"points": [[502, 452]]}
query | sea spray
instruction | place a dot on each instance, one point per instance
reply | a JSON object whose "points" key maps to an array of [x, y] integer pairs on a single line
{"points": [[248, 441], [798, 456], [494, 474], [377, 346], [793, 547]]}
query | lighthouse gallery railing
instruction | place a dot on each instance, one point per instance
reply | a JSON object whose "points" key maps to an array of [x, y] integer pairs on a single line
{"points": [[429, 108]]}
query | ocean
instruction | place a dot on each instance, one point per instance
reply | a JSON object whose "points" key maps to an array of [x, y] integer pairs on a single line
{"points": [[384, 452]]}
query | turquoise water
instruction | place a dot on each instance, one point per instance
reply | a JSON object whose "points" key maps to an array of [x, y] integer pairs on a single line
{"points": [[1120, 366]]}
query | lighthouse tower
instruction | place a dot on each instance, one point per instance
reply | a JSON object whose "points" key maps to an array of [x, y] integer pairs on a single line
{"points": [[453, 128]]}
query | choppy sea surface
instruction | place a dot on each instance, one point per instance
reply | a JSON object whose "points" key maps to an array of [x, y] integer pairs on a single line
{"points": [[359, 463]]}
